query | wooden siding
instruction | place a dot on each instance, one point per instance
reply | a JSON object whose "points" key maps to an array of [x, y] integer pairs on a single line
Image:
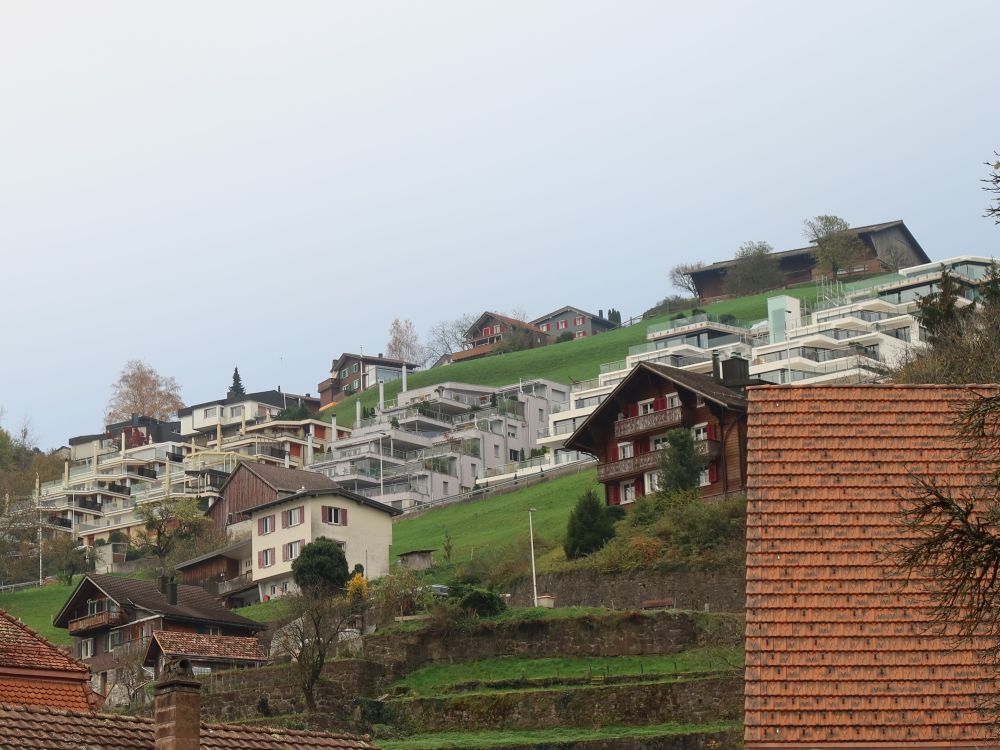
{"points": [[243, 490]]}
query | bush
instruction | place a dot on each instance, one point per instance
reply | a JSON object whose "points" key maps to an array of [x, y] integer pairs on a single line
{"points": [[565, 336], [590, 527], [483, 603], [321, 567]]}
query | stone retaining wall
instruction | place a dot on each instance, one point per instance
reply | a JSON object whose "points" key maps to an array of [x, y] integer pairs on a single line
{"points": [[690, 701]]}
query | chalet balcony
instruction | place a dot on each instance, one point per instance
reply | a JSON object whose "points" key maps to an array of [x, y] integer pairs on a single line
{"points": [[96, 621], [646, 422], [635, 465], [234, 584]]}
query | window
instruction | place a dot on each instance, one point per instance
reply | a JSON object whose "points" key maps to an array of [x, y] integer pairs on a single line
{"points": [[514, 455], [356, 366], [579, 320], [562, 325], [291, 550], [444, 486], [344, 373], [627, 491], [208, 412], [580, 334], [652, 482], [274, 589], [292, 517], [703, 478], [335, 516], [646, 407], [699, 401], [265, 525], [85, 648], [265, 558], [625, 450], [236, 411], [213, 630], [700, 431], [94, 606], [284, 587], [541, 415], [496, 451], [658, 442], [673, 401], [546, 327], [512, 430]]}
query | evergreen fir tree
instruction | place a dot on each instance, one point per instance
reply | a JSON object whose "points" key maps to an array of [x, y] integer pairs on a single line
{"points": [[590, 526], [682, 464], [236, 389]]}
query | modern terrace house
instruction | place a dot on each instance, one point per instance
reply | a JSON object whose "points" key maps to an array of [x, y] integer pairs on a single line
{"points": [[111, 618], [282, 527], [353, 373], [441, 440], [886, 247], [489, 330], [573, 320], [34, 672], [627, 432], [841, 646]]}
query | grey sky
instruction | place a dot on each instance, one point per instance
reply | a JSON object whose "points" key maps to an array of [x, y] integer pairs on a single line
{"points": [[269, 184]]}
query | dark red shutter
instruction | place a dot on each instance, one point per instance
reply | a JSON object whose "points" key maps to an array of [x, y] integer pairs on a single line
{"points": [[633, 410], [343, 516], [615, 496], [640, 487], [710, 431], [260, 559], [260, 526], [613, 453], [713, 473]]}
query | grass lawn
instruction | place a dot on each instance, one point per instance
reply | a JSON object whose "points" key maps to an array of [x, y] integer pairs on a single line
{"points": [[496, 522], [540, 737], [264, 611], [430, 680], [36, 607]]}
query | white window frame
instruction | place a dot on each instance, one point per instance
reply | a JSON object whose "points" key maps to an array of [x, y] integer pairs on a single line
{"points": [[562, 325], [335, 516], [646, 406], [700, 431], [658, 442], [673, 400], [626, 491], [86, 648], [292, 550], [236, 411], [651, 481], [267, 524], [209, 412], [626, 445], [703, 478], [292, 513], [267, 557]]}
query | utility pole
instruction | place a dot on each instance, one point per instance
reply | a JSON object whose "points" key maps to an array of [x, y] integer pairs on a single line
{"points": [[534, 580]]}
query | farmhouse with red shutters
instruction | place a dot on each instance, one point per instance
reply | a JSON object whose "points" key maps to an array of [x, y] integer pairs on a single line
{"points": [[627, 433]]}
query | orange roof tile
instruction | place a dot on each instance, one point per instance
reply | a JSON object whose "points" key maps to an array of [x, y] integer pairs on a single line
{"points": [[224, 647], [41, 693], [476, 351], [837, 643], [48, 729], [22, 647]]}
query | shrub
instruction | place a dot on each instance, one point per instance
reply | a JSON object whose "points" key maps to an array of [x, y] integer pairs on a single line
{"points": [[321, 567], [483, 603], [682, 464], [565, 336], [590, 527]]}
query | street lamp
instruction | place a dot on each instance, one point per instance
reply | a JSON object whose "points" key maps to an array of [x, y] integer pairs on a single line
{"points": [[534, 580]]}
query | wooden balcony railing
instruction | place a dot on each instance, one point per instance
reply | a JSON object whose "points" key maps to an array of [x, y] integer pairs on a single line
{"points": [[97, 620], [644, 462], [233, 584], [646, 422]]}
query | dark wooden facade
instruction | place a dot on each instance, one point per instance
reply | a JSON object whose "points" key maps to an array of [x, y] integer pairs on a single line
{"points": [[626, 433], [244, 489]]}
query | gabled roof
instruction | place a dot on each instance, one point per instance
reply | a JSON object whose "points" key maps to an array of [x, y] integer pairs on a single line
{"points": [[472, 331], [840, 648], [335, 490], [863, 230], [46, 729], [239, 551], [570, 308], [22, 647], [194, 604], [196, 645], [703, 385], [280, 479]]}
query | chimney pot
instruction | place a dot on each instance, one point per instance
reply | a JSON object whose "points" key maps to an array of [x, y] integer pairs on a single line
{"points": [[172, 592], [161, 584], [177, 707]]}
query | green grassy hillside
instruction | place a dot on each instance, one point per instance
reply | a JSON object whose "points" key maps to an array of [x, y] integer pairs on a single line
{"points": [[580, 359], [495, 523], [36, 607]]}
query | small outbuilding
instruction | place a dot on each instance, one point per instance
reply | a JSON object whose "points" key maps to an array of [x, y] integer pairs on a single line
{"points": [[416, 559]]}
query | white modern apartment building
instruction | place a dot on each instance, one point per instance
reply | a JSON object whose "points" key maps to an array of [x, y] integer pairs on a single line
{"points": [[437, 441], [851, 335]]}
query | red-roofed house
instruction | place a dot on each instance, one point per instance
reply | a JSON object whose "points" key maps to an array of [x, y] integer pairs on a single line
{"points": [[35, 672], [490, 329], [840, 651], [206, 653]]}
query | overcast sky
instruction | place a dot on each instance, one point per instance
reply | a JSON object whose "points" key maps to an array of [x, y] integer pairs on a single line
{"points": [[210, 184]]}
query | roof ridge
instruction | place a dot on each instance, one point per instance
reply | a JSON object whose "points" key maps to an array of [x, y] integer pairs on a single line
{"points": [[45, 641]]}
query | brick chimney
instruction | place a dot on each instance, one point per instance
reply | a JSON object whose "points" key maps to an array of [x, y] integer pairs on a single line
{"points": [[177, 707]]}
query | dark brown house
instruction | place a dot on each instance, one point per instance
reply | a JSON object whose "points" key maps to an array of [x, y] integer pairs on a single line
{"points": [[109, 617], [886, 247], [253, 484], [483, 336], [353, 373], [227, 573], [627, 433]]}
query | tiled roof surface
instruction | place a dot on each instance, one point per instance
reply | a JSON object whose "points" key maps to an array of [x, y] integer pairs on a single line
{"points": [[74, 695], [473, 352], [209, 646], [22, 647], [290, 480], [44, 729], [193, 602], [837, 648]]}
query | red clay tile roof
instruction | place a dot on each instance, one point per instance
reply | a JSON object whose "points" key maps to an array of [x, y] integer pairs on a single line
{"points": [[837, 649], [221, 647], [22, 647], [74, 695], [476, 351], [47, 729]]}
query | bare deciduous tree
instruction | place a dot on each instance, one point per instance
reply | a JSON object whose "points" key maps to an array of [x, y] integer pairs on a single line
{"points": [[142, 390], [404, 343], [680, 277], [165, 524], [992, 185], [754, 270], [447, 336]]}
